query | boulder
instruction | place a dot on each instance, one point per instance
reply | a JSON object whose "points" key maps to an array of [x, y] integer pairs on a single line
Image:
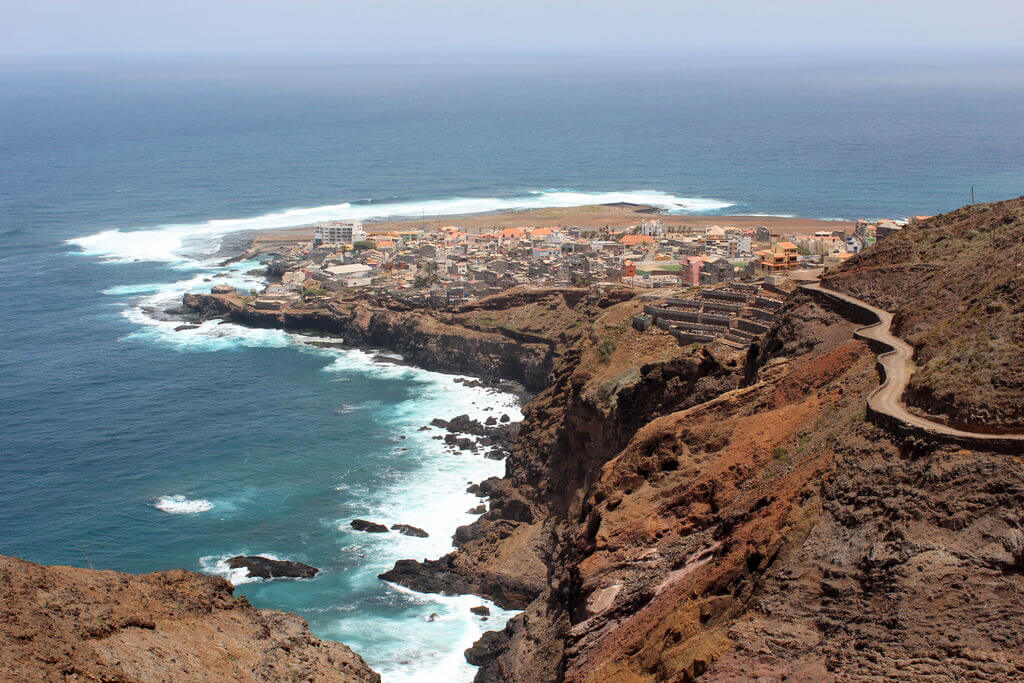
{"points": [[409, 530], [438, 422], [481, 610], [369, 527], [491, 645], [490, 421], [222, 289], [466, 425], [267, 568]]}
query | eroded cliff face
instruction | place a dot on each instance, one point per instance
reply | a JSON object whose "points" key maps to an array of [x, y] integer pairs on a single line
{"points": [[734, 522], [671, 513], [65, 623], [514, 335]]}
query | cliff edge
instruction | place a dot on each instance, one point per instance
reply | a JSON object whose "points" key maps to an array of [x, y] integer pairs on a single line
{"points": [[63, 623]]}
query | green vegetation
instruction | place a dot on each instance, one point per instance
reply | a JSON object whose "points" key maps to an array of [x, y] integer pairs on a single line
{"points": [[780, 453], [605, 350], [311, 292], [364, 244]]}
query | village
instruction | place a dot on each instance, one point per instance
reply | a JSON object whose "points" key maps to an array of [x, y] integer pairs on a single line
{"points": [[714, 283]]}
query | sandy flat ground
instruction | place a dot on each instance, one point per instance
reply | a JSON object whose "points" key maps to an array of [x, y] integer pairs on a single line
{"points": [[615, 216]]}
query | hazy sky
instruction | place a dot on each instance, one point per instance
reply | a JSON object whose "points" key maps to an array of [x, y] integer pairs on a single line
{"points": [[382, 27]]}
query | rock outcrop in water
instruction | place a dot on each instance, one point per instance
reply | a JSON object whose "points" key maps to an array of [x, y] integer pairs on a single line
{"points": [[267, 568], [64, 623], [369, 527]]}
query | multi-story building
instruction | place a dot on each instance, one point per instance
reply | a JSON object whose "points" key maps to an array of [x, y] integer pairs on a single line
{"points": [[339, 232], [779, 260]]}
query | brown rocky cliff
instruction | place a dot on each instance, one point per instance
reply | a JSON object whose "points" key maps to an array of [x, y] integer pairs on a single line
{"points": [[517, 342], [64, 623], [763, 530]]}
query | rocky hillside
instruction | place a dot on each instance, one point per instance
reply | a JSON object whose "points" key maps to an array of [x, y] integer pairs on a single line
{"points": [[754, 524], [671, 513], [64, 623], [956, 286]]}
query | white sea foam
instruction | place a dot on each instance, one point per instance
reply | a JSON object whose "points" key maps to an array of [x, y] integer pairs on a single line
{"points": [[431, 496], [180, 505], [181, 242], [218, 565]]}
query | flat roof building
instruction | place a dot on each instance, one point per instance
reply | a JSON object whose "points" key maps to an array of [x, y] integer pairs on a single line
{"points": [[339, 232]]}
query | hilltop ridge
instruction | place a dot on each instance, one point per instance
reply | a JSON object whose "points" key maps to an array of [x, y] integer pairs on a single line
{"points": [[955, 284]]}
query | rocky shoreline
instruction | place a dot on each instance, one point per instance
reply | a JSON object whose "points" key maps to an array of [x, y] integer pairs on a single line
{"points": [[421, 339], [669, 513]]}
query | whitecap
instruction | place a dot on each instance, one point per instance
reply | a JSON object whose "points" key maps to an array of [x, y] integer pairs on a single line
{"points": [[180, 505]]}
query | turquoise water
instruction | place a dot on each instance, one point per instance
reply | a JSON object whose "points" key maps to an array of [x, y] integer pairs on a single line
{"points": [[128, 445]]}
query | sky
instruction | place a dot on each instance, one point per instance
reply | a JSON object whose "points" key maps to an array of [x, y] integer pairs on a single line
{"points": [[52, 28]]}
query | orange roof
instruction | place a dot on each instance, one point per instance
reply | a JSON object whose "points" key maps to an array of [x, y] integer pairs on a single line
{"points": [[787, 245], [636, 239], [385, 243], [513, 232], [542, 231]]}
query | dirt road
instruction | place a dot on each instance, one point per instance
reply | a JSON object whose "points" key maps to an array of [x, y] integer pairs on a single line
{"points": [[898, 365]]}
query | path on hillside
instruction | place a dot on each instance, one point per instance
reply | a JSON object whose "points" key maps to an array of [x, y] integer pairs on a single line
{"points": [[898, 366]]}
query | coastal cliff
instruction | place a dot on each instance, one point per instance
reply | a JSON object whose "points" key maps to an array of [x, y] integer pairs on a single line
{"points": [[64, 623], [470, 342], [670, 513], [747, 522]]}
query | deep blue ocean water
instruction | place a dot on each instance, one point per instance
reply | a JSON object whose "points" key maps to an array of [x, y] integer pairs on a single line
{"points": [[127, 445]]}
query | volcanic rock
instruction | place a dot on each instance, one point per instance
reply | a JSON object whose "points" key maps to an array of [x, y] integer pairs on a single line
{"points": [[369, 527], [408, 530], [267, 568]]}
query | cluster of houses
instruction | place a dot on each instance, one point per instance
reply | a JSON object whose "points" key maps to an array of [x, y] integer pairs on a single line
{"points": [[448, 265]]}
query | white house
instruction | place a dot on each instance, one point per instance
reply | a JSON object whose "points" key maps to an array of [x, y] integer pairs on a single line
{"points": [[339, 232]]}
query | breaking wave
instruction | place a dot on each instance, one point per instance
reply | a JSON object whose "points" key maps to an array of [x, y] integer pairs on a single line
{"points": [[180, 505], [178, 242]]}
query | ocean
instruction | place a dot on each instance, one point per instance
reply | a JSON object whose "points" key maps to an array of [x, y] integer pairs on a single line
{"points": [[128, 445]]}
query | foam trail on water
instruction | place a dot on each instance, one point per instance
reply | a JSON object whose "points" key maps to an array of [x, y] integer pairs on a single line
{"points": [[176, 242], [180, 505]]}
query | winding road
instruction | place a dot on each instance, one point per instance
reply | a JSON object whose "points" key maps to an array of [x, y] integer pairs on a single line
{"points": [[898, 365]]}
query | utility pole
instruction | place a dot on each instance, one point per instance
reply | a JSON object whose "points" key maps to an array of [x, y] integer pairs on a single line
{"points": [[972, 195]]}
